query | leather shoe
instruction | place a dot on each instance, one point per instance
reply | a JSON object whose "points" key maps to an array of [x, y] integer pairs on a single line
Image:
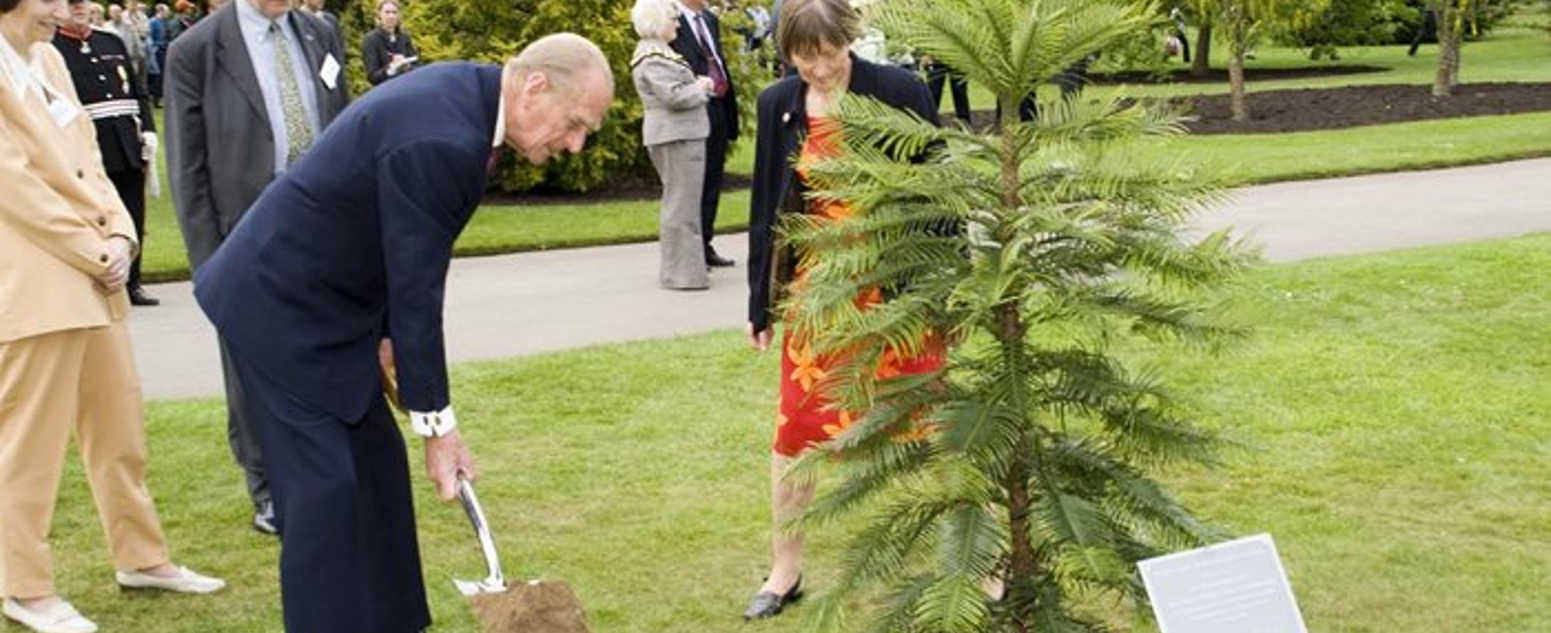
{"points": [[59, 618], [185, 581], [137, 296], [716, 261], [768, 604], [264, 519]]}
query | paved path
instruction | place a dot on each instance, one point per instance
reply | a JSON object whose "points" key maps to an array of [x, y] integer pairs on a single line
{"points": [[519, 304]]}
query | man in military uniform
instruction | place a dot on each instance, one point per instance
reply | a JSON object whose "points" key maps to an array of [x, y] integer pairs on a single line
{"points": [[112, 93]]}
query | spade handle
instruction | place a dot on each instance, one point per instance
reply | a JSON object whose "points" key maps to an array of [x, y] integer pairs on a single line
{"points": [[481, 530]]}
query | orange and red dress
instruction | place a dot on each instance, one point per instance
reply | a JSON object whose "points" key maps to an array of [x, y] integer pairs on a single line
{"points": [[807, 415]]}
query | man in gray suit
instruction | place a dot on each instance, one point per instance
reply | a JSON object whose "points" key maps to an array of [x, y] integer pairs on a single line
{"points": [[247, 90]]}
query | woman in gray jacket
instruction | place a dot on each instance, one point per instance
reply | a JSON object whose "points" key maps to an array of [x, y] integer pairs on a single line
{"points": [[674, 133]]}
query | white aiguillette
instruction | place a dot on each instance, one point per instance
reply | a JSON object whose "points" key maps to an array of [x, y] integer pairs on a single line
{"points": [[1233, 587]]}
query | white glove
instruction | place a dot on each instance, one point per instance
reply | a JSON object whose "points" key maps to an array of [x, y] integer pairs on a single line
{"points": [[148, 145]]}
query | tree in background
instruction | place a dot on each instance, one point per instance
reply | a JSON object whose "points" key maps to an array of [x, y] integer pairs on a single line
{"points": [[1242, 23], [1037, 249]]}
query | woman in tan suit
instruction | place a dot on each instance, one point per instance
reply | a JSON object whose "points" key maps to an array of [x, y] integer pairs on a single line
{"points": [[66, 366]]}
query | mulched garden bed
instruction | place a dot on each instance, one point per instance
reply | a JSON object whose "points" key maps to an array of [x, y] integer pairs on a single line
{"points": [[1351, 106], [1307, 109]]}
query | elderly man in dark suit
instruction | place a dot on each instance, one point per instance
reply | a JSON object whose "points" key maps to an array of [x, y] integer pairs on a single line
{"points": [[699, 41], [353, 243], [248, 90]]}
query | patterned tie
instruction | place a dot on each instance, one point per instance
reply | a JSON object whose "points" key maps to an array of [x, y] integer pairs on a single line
{"points": [[714, 68], [297, 130]]}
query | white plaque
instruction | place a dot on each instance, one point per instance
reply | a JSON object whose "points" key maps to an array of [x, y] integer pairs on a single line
{"points": [[1233, 587]]}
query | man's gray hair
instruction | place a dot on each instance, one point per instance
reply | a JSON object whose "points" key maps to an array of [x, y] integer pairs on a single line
{"points": [[564, 58], [652, 17]]}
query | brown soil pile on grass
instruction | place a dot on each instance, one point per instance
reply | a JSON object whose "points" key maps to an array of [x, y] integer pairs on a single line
{"points": [[537, 607]]}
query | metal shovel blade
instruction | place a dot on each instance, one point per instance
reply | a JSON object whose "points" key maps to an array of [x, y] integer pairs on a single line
{"points": [[495, 581]]}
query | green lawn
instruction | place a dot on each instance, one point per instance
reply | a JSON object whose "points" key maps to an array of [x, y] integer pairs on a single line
{"points": [[1511, 54], [1396, 405]]}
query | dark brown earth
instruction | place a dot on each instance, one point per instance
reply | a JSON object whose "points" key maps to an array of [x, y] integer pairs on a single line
{"points": [[1351, 106], [530, 607]]}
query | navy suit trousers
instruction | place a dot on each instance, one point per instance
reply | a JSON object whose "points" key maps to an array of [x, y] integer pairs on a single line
{"points": [[349, 556]]}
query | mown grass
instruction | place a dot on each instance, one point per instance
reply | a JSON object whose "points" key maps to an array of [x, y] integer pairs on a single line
{"points": [[1394, 408]]}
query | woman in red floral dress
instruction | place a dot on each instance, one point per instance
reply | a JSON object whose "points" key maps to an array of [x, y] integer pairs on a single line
{"points": [[814, 36]]}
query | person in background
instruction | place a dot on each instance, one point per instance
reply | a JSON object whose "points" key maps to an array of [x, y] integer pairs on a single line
{"points": [[122, 24], [121, 111], [67, 367], [96, 15], [156, 57], [1428, 27], [317, 10], [795, 129], [938, 72], [699, 41], [387, 51], [674, 132], [188, 14], [246, 96]]}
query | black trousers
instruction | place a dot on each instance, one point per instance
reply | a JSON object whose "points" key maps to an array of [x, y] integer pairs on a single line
{"points": [[349, 557], [131, 189], [715, 166], [936, 73]]}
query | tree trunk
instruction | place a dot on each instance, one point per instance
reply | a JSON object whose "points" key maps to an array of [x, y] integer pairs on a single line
{"points": [[1238, 45], [1236, 85], [1448, 49], [1023, 563], [1203, 64]]}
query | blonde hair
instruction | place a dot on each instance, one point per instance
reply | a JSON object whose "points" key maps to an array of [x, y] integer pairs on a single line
{"points": [[651, 17]]}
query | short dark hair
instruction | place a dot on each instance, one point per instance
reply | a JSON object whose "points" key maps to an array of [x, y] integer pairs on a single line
{"points": [[808, 25], [6, 6]]}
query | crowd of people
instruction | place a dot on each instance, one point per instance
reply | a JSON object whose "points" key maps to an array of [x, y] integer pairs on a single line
{"points": [[310, 317]]}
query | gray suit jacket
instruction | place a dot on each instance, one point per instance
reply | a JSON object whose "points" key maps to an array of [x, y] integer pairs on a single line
{"points": [[220, 150], [674, 103]]}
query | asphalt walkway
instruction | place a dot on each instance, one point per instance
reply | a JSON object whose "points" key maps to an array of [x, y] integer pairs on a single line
{"points": [[519, 304]]}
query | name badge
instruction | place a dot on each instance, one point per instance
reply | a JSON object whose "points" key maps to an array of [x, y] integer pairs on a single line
{"points": [[62, 111], [330, 71]]}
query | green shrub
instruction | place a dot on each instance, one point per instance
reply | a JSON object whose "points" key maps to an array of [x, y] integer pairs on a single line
{"points": [[492, 30]]}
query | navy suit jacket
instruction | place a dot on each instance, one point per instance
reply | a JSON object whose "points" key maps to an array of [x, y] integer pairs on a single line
{"points": [[355, 237]]}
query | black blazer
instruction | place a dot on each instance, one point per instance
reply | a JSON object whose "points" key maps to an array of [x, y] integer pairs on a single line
{"points": [[783, 124], [377, 50], [686, 45]]}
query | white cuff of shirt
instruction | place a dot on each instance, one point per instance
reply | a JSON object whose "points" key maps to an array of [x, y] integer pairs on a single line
{"points": [[434, 423]]}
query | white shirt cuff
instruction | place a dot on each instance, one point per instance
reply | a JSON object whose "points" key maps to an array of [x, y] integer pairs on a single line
{"points": [[434, 423]]}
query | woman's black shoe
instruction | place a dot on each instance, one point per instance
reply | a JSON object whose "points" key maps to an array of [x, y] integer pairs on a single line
{"points": [[768, 604]]}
